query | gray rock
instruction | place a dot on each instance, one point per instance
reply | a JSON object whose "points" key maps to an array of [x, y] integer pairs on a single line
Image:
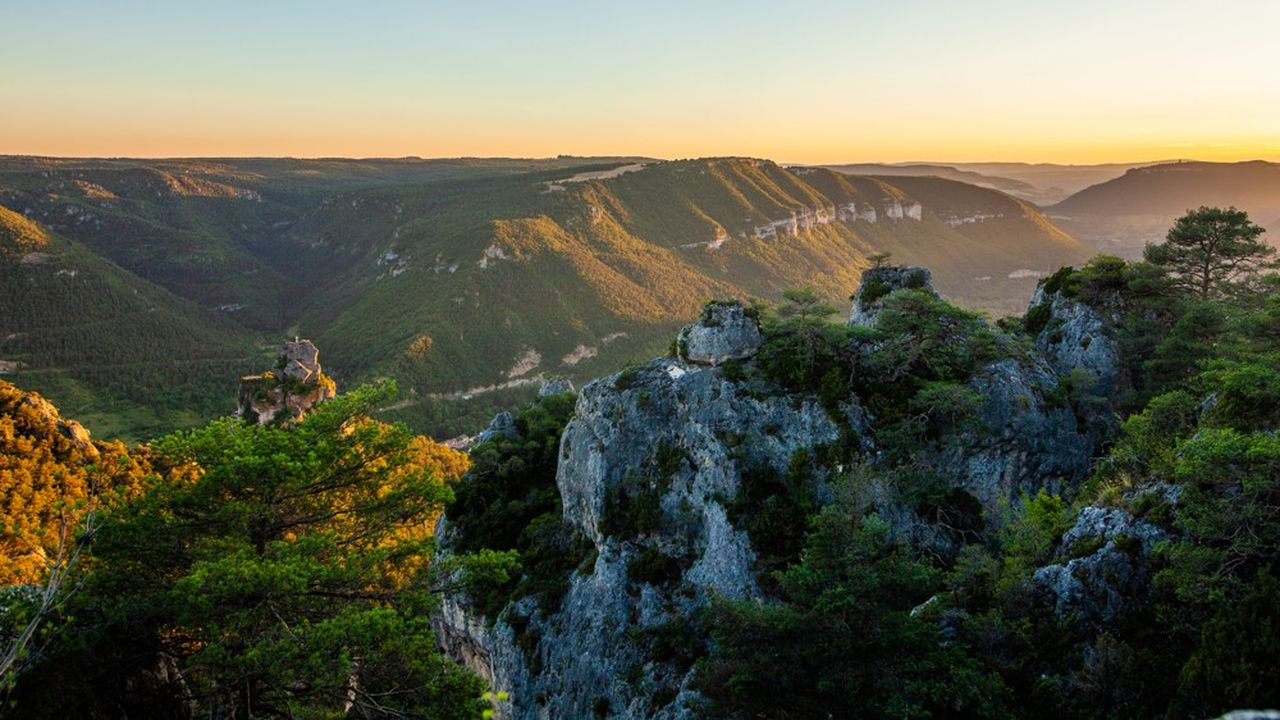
{"points": [[1113, 579], [588, 650], [555, 386], [502, 425], [1023, 441], [1079, 337], [878, 282], [588, 653], [724, 332], [301, 361]]}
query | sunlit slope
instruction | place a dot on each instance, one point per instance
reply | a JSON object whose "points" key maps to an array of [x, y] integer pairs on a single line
{"points": [[207, 229], [464, 286], [128, 357]]}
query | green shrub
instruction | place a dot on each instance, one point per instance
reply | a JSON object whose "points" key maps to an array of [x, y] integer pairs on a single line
{"points": [[1038, 317], [654, 567], [632, 507], [873, 290], [774, 508], [626, 379]]}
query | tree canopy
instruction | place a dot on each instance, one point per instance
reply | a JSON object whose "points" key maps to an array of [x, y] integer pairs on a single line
{"points": [[274, 572], [1210, 249]]}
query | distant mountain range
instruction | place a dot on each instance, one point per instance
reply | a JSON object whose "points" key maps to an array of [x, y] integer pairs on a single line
{"points": [[1040, 183], [1123, 214], [467, 280]]}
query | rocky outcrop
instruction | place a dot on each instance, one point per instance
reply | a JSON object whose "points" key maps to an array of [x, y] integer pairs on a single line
{"points": [[724, 332], [555, 386], [1074, 336], [696, 434], [288, 392], [690, 433], [878, 282], [73, 431], [502, 425], [1111, 575], [1022, 439]]}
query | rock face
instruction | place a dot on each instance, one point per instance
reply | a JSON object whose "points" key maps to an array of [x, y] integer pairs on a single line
{"points": [[288, 392], [695, 434], [1112, 577], [555, 386], [301, 362], [1024, 438], [591, 650], [724, 332], [1076, 336], [878, 282]]}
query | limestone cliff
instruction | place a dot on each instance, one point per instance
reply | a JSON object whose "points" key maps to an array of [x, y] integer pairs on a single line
{"points": [[688, 434]]}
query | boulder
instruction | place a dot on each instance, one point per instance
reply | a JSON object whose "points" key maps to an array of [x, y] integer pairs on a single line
{"points": [[502, 425], [1112, 575], [555, 386], [878, 282], [726, 331]]}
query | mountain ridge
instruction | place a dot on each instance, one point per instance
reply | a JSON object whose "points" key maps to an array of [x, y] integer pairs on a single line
{"points": [[470, 279]]}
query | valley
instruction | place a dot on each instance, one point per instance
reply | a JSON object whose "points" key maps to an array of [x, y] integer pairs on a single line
{"points": [[463, 279]]}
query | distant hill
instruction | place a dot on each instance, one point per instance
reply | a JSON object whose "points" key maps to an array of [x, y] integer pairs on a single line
{"points": [[1054, 181], [1041, 183], [465, 279], [1123, 214], [1017, 188], [486, 284]]}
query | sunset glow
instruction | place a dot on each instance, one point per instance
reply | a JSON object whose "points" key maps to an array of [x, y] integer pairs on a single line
{"points": [[815, 82]]}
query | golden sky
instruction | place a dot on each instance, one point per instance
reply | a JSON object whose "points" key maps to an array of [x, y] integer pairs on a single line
{"points": [[814, 81]]}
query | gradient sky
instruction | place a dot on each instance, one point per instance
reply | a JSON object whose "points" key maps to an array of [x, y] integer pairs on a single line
{"points": [[801, 81]]}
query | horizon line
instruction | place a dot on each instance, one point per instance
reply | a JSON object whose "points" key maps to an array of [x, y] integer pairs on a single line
{"points": [[568, 156]]}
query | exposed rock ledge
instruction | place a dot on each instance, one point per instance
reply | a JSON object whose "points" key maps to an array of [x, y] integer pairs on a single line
{"points": [[288, 392]]}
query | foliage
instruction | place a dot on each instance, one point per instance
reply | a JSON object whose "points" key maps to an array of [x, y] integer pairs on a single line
{"points": [[509, 503], [1210, 250], [631, 507], [280, 571], [843, 637], [775, 508], [1199, 458]]}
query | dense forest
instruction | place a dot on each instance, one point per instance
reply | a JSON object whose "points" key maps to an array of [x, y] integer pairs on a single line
{"points": [[291, 570]]}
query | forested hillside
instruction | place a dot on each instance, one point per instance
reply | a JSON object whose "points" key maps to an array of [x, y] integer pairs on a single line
{"points": [[470, 279], [124, 355]]}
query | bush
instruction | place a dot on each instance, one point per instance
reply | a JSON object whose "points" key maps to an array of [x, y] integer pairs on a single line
{"points": [[632, 507], [654, 567], [874, 289]]}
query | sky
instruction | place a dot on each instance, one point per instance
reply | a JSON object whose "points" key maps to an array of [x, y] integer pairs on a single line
{"points": [[804, 81]]}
